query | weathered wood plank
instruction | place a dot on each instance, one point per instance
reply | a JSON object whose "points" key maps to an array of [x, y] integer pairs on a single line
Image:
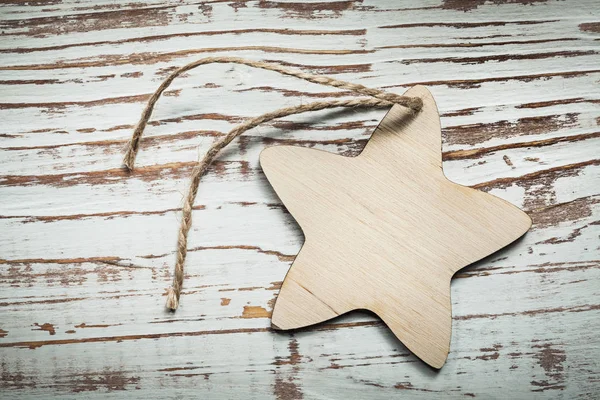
{"points": [[86, 250]]}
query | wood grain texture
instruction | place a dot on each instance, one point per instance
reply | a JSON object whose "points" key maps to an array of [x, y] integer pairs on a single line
{"points": [[385, 231], [86, 249]]}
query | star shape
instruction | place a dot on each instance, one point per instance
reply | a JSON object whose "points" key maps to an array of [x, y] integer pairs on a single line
{"points": [[385, 231]]}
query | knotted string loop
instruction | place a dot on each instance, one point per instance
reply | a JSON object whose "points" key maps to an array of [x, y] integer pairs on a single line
{"points": [[379, 98]]}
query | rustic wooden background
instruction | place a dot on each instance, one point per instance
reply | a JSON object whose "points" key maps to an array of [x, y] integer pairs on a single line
{"points": [[86, 250]]}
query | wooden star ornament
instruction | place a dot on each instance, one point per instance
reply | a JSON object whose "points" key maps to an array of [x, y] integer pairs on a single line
{"points": [[385, 231]]}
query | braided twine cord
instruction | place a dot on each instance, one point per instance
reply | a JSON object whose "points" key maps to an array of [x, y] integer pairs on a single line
{"points": [[377, 98]]}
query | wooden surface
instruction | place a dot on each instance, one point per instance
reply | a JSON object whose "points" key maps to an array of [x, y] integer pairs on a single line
{"points": [[385, 230], [87, 249]]}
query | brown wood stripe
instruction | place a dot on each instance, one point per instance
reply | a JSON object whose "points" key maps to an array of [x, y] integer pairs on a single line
{"points": [[320, 327], [152, 38]]}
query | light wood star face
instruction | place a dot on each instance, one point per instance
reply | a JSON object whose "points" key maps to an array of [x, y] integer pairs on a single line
{"points": [[385, 231]]}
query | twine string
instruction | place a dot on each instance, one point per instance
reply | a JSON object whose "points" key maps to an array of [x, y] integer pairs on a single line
{"points": [[379, 98]]}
